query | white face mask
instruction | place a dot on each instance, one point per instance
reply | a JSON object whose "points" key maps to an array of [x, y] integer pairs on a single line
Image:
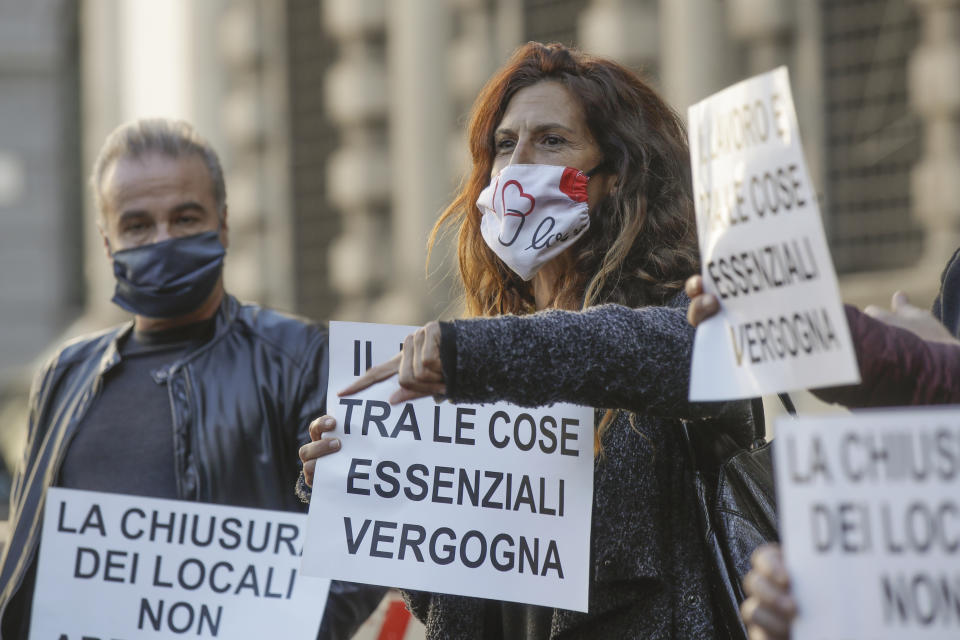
{"points": [[532, 213]]}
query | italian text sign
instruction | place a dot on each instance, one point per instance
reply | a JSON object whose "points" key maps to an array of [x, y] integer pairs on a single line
{"points": [[781, 325], [492, 501], [129, 567], [870, 521]]}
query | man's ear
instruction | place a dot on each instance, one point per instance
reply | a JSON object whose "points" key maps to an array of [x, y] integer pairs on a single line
{"points": [[224, 236], [106, 240]]}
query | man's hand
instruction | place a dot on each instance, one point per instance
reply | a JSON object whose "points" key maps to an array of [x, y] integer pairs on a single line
{"points": [[769, 607], [906, 316], [418, 365], [702, 305], [318, 446]]}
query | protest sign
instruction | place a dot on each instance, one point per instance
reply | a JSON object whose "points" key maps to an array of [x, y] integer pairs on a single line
{"points": [[127, 567], [869, 508], [764, 256], [492, 501]]}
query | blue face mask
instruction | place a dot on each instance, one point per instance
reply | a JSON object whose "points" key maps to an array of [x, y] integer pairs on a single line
{"points": [[169, 278]]}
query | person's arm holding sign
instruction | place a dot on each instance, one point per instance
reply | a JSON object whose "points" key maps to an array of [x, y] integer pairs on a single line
{"points": [[914, 319], [906, 356], [606, 356], [420, 374]]}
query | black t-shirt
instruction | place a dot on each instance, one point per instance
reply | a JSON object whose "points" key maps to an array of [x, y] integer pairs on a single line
{"points": [[124, 444]]}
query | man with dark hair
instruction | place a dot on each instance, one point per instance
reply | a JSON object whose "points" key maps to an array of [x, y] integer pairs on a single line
{"points": [[198, 398]]}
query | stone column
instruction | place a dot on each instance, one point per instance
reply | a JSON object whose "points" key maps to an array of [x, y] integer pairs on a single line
{"points": [[626, 30], [252, 123], [419, 123], [934, 85], [359, 171], [487, 36], [102, 88], [41, 221], [696, 58], [784, 32], [766, 28], [508, 28]]}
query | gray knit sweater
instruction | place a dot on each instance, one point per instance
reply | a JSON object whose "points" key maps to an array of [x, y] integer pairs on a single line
{"points": [[648, 574]]}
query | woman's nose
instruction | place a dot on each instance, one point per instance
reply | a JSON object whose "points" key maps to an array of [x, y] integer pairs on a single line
{"points": [[522, 153]]}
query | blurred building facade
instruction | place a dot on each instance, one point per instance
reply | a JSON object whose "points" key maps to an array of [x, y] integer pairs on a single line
{"points": [[341, 129]]}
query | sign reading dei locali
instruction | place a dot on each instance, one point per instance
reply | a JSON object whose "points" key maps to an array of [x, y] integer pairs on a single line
{"points": [[490, 501], [764, 255], [127, 567], [869, 509]]}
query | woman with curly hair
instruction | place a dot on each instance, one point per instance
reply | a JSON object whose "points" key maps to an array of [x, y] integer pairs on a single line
{"points": [[576, 232]]}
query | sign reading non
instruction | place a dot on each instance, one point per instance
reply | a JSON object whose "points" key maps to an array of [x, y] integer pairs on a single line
{"points": [[764, 255], [492, 501], [119, 566], [869, 509]]}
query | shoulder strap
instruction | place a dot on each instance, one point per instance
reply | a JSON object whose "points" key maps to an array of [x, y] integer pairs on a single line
{"points": [[787, 404], [759, 419]]}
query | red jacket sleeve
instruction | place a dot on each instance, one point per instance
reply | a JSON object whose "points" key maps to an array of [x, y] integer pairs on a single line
{"points": [[897, 367]]}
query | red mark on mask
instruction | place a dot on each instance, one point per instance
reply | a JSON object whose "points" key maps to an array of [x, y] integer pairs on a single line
{"points": [[573, 182]]}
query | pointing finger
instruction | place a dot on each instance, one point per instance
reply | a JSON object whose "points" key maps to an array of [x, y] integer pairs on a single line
{"points": [[373, 375]]}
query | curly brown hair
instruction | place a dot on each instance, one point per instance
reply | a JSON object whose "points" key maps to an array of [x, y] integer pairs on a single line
{"points": [[641, 243]]}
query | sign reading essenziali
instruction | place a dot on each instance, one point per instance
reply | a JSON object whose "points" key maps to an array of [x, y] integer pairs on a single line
{"points": [[127, 567], [869, 509], [764, 255], [491, 501]]}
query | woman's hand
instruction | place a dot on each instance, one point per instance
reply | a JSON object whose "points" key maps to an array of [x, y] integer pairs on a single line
{"points": [[702, 305], [418, 365], [906, 316], [769, 607], [318, 446]]}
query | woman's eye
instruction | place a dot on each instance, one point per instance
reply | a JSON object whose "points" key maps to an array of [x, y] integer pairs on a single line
{"points": [[504, 145], [188, 220], [553, 140]]}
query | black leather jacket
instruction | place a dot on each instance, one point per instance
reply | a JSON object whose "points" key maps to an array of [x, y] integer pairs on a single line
{"points": [[241, 407]]}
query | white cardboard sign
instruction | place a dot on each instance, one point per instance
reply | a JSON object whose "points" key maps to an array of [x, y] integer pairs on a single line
{"points": [[764, 254], [121, 566], [869, 507], [492, 501]]}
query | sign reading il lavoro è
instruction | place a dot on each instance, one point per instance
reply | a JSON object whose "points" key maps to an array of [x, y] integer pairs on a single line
{"points": [[869, 509], [764, 255], [492, 501], [128, 567]]}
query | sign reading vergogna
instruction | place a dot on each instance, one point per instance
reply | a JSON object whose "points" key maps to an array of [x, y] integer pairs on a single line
{"points": [[491, 501], [764, 254]]}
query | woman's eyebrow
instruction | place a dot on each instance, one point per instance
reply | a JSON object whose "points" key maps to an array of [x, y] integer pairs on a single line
{"points": [[552, 125], [546, 126]]}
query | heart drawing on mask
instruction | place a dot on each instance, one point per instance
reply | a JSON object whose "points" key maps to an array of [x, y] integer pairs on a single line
{"points": [[512, 200]]}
